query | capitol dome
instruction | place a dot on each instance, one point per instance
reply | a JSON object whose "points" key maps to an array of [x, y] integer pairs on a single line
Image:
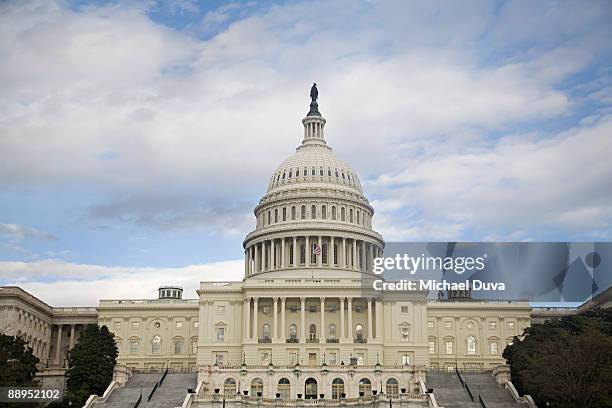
{"points": [[314, 214]]}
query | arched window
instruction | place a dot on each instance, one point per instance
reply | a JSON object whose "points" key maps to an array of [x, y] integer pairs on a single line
{"points": [[324, 212], [291, 255], [313, 172], [297, 173], [293, 212], [331, 331], [269, 218], [284, 213], [342, 214], [337, 388], [276, 215], [333, 212], [256, 387], [365, 386], [313, 212], [284, 388], [156, 344], [335, 254], [359, 332], [392, 387], [302, 254], [229, 387], [312, 330], [358, 222], [471, 345], [351, 215], [266, 331], [293, 332], [321, 171], [303, 214]]}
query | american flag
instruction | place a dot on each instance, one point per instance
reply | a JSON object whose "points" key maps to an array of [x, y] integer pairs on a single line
{"points": [[316, 249]]}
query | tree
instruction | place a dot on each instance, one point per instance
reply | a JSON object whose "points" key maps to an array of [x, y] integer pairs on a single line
{"points": [[565, 362], [90, 364], [17, 362]]}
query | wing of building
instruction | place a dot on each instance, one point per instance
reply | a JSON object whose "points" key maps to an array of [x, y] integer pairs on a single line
{"points": [[302, 323]]}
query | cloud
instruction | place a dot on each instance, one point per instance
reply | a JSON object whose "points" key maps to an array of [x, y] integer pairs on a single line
{"points": [[17, 233], [50, 280]]}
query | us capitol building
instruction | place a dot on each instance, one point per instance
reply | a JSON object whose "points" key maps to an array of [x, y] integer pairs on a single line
{"points": [[301, 324]]}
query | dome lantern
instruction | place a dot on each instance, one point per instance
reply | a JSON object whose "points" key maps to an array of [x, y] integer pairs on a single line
{"points": [[314, 123]]}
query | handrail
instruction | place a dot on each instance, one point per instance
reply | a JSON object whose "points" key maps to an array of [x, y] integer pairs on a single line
{"points": [[161, 380], [93, 398], [464, 384], [481, 401], [152, 391], [138, 401], [433, 403]]}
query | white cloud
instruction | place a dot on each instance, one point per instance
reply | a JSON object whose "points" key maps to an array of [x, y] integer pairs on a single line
{"points": [[50, 280], [16, 233]]}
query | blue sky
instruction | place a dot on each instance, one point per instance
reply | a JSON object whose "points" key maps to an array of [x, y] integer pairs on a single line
{"points": [[136, 137]]}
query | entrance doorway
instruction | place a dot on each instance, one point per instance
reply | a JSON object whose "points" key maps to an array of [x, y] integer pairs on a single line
{"points": [[310, 389]]}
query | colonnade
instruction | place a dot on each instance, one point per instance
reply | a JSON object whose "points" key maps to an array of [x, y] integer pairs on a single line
{"points": [[348, 331], [299, 251]]}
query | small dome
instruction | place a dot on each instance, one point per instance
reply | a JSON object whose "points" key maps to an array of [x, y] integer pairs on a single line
{"points": [[314, 164]]}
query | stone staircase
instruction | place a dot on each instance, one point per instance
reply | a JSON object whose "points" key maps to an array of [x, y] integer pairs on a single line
{"points": [[492, 394], [127, 396], [449, 391], [172, 392]]}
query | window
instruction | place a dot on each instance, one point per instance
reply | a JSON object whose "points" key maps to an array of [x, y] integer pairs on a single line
{"points": [[351, 215], [334, 212], [257, 387], [405, 359], [266, 331], [493, 348], [220, 309], [511, 325], [194, 347], [302, 254], [430, 324], [116, 325], [359, 332], [405, 332], [337, 388], [157, 325], [324, 212], [293, 212], [134, 345], [220, 334], [313, 212], [284, 388], [470, 325], [284, 213], [312, 331], [303, 212], [293, 332], [432, 346], [365, 387], [331, 332], [448, 324], [178, 346], [219, 359], [360, 358], [179, 325], [342, 214], [471, 345], [404, 309], [293, 358], [492, 325], [196, 324], [332, 358], [156, 344], [324, 254], [449, 347], [392, 387], [229, 387], [276, 215]]}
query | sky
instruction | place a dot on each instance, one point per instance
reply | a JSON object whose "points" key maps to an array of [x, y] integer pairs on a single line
{"points": [[137, 137]]}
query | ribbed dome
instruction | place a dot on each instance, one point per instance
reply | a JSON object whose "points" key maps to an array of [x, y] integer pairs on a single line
{"points": [[314, 164]]}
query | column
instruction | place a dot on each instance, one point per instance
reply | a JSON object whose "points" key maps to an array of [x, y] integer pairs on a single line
{"points": [[303, 319], [295, 252], [255, 325], [282, 252], [369, 300], [307, 250], [58, 351], [350, 318], [354, 254], [378, 318], [275, 317], [283, 318], [332, 252], [247, 318], [320, 257], [71, 336], [342, 299], [256, 265], [322, 335], [272, 256], [344, 253], [371, 266], [246, 262], [362, 259]]}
